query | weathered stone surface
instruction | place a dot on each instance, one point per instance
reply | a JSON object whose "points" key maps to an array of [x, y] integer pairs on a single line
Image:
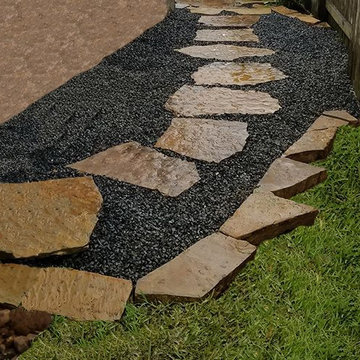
{"points": [[76, 294], [224, 52], [226, 35], [307, 19], [283, 10], [324, 122], [259, 10], [343, 115], [142, 166], [286, 177], [47, 217], [205, 10], [264, 215], [204, 268], [208, 3], [229, 21], [313, 145], [198, 100], [203, 139], [323, 25], [220, 73]]}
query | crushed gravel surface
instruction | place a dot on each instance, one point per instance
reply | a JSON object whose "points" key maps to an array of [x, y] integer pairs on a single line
{"points": [[122, 99]]}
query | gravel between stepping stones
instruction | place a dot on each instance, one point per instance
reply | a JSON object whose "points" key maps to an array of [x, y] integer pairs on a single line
{"points": [[122, 99]]}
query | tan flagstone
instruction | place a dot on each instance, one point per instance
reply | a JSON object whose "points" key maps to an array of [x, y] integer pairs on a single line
{"points": [[323, 25], [142, 166], [205, 10], [205, 268], [264, 215], [197, 100], [343, 115], [287, 177], [259, 10], [226, 35], [224, 52], [307, 19], [78, 294], [313, 145], [203, 139], [229, 21], [220, 73], [208, 3], [47, 217], [324, 122], [283, 10]]}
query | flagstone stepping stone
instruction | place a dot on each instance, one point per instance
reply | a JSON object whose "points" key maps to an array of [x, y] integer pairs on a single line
{"points": [[324, 122], [53, 217], [313, 145], [264, 215], [139, 165], [259, 10], [224, 52], [229, 21], [226, 35], [205, 268], [287, 177], [205, 10], [283, 10], [203, 139], [198, 100], [343, 115], [220, 73], [76, 294], [307, 19]]}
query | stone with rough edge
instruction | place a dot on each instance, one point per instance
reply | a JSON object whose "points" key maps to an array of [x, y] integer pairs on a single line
{"points": [[324, 122], [264, 215], [229, 21], [226, 35], [224, 52], [198, 100], [307, 19], [205, 10], [204, 139], [139, 165], [283, 10], [287, 177], [205, 268], [220, 73], [260, 10], [76, 294], [313, 145], [343, 115], [52, 217]]}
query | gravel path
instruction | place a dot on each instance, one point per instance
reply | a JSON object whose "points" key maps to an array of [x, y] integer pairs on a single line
{"points": [[122, 99]]}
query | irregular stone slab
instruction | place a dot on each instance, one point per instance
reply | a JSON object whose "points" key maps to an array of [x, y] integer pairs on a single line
{"points": [[205, 10], [324, 122], [229, 21], [259, 10], [203, 139], [264, 215], [220, 73], [51, 217], [198, 100], [323, 25], [343, 115], [307, 19], [77, 294], [208, 3], [15, 281], [283, 10], [226, 35], [142, 166], [204, 268], [224, 52], [313, 145], [286, 177]]}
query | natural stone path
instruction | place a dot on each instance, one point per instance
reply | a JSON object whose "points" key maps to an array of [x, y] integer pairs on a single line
{"points": [[200, 218]]}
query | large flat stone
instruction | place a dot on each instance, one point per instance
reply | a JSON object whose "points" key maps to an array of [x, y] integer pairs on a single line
{"points": [[264, 215], [206, 10], [51, 217], [142, 166], [259, 10], [198, 100], [313, 145], [283, 10], [224, 52], [205, 268], [226, 35], [229, 21], [76, 294], [307, 19], [220, 73], [203, 139], [343, 115], [324, 122], [286, 177]]}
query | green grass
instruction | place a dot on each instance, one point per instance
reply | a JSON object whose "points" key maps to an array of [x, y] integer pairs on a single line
{"points": [[299, 299]]}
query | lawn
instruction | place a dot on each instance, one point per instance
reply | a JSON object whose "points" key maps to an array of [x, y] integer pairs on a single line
{"points": [[299, 298]]}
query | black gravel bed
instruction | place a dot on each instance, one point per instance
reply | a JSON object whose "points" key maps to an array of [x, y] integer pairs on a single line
{"points": [[122, 99]]}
